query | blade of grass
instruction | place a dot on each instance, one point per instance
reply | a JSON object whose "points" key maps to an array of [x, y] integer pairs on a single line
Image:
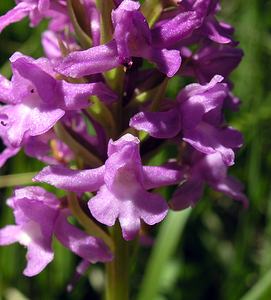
{"points": [[16, 179], [165, 245], [261, 290]]}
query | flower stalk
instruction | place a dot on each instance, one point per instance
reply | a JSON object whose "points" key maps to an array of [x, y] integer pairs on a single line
{"points": [[91, 227], [117, 271]]}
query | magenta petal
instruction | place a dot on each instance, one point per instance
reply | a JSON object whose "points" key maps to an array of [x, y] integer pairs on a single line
{"points": [[153, 208], [39, 147], [50, 44], [16, 14], [76, 96], [16, 124], [129, 220], [9, 235], [211, 168], [80, 270], [167, 61], [89, 248], [8, 153], [72, 180], [175, 29], [216, 32], [149, 207], [37, 237], [131, 31], [188, 194], [31, 209], [94, 18], [232, 188], [126, 20], [35, 211], [128, 5], [125, 140], [212, 88], [34, 192], [123, 166], [158, 124], [24, 120], [47, 86], [41, 93], [154, 177], [210, 60], [43, 5], [43, 118], [208, 139], [91, 61], [39, 252], [197, 100], [104, 207], [6, 91], [232, 138], [38, 257]]}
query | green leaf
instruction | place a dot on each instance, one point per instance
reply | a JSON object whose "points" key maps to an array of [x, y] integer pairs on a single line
{"points": [[152, 9], [169, 235], [79, 150], [261, 290], [83, 38], [105, 7]]}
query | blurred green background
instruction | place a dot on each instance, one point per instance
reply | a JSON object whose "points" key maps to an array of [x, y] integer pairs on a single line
{"points": [[223, 252]]}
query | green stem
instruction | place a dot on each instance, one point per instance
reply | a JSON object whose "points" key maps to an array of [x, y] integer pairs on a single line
{"points": [[79, 150], [105, 7], [16, 179], [91, 227], [158, 97], [152, 10], [102, 114], [117, 271], [83, 38]]}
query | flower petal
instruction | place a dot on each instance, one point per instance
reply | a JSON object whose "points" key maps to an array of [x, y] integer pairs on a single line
{"points": [[8, 153], [158, 176], [232, 188], [89, 248], [72, 180], [188, 194], [47, 87], [167, 61], [16, 14], [38, 257], [104, 207], [175, 29], [152, 207], [24, 120], [91, 61], [129, 220], [6, 91], [9, 235], [158, 124], [208, 139], [76, 96]]}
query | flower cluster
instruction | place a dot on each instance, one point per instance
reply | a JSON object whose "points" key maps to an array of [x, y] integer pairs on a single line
{"points": [[96, 109]]}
